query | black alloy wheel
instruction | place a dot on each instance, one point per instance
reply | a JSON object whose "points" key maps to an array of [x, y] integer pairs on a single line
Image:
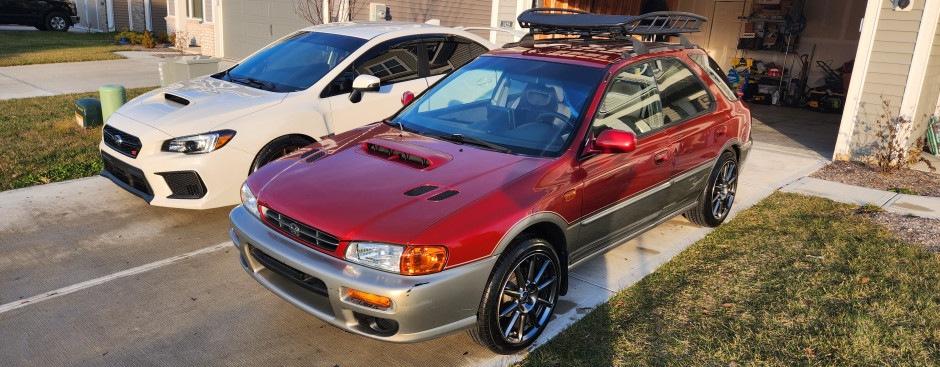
{"points": [[520, 297], [715, 202]]}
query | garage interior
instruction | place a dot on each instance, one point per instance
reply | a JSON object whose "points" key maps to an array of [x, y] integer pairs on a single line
{"points": [[825, 32]]}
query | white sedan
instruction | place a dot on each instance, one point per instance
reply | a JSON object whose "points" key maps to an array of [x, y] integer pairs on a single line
{"points": [[192, 144]]}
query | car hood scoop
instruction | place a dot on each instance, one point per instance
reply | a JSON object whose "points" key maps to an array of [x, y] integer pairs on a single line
{"points": [[356, 193], [197, 105]]}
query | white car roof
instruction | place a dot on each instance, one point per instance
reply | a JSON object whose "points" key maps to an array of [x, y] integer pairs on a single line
{"points": [[370, 30]]}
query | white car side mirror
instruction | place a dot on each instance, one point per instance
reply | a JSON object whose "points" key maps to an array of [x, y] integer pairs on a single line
{"points": [[366, 83]]}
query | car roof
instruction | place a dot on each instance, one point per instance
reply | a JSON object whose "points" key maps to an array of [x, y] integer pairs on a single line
{"points": [[594, 53], [370, 30]]}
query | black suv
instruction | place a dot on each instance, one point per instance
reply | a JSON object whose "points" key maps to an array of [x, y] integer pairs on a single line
{"points": [[56, 15]]}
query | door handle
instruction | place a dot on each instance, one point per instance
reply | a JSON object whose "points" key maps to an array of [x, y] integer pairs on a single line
{"points": [[661, 157]]}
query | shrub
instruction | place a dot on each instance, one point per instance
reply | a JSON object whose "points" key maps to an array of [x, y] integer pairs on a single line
{"points": [[162, 37], [147, 40], [126, 35], [889, 151]]}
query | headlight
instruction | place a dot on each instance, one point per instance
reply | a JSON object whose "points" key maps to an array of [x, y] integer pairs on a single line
{"points": [[249, 201], [202, 143], [407, 260]]}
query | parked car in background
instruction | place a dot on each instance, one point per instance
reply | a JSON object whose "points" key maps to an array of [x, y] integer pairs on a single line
{"points": [[465, 210], [46, 15], [191, 144]]}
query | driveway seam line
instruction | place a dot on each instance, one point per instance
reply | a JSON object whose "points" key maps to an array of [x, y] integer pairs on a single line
{"points": [[30, 84], [107, 278]]}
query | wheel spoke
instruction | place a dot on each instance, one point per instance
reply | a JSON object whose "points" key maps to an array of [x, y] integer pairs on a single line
{"points": [[531, 273], [511, 324], [546, 283], [522, 322], [512, 293], [541, 272], [716, 208], [509, 309], [543, 302]]}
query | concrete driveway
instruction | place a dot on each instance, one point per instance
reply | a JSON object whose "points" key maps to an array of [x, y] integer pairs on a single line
{"points": [[91, 275]]}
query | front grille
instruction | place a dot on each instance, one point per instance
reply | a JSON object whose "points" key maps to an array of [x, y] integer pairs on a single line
{"points": [[301, 231], [184, 185], [130, 175], [121, 141], [302, 279]]}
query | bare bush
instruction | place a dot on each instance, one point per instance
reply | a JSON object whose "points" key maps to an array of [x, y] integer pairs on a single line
{"points": [[890, 151], [338, 10]]}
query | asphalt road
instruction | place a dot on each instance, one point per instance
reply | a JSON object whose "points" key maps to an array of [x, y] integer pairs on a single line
{"points": [[94, 276]]}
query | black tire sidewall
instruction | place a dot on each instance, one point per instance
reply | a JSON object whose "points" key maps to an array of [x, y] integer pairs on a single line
{"points": [[487, 315], [65, 19], [271, 151]]}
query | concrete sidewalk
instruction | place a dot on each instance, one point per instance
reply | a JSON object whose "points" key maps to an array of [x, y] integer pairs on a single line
{"points": [[921, 206], [139, 69]]}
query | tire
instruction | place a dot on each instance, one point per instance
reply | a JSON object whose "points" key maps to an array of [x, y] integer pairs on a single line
{"points": [[278, 148], [715, 201], [57, 22], [504, 324]]}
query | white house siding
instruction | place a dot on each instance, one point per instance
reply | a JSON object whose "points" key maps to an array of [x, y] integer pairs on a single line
{"points": [[451, 13], [927, 103], [506, 12], [252, 24], [888, 71]]}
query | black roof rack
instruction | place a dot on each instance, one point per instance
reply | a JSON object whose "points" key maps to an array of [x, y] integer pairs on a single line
{"points": [[576, 22]]}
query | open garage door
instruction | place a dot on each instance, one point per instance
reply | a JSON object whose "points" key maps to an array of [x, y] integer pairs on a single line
{"points": [[249, 25]]}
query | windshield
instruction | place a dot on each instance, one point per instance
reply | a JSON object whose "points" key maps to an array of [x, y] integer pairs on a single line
{"points": [[294, 63], [529, 107]]}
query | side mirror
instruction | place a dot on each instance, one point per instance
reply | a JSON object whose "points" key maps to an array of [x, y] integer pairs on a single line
{"points": [[366, 83], [614, 141], [363, 83], [406, 98]]}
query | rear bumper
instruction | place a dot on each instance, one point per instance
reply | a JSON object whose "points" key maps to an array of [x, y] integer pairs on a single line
{"points": [[75, 19], [746, 149], [424, 307]]}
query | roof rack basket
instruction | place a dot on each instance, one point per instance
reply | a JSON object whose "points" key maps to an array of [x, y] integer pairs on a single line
{"points": [[548, 21]]}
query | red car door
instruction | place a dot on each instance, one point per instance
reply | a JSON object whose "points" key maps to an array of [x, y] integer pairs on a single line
{"points": [[624, 191]]}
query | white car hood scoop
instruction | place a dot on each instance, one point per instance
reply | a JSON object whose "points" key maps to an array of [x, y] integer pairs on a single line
{"points": [[198, 105]]}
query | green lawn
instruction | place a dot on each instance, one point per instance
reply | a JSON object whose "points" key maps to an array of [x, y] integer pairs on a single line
{"points": [[40, 142], [794, 280], [27, 48]]}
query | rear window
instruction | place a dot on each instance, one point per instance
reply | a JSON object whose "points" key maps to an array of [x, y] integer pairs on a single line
{"points": [[715, 73]]}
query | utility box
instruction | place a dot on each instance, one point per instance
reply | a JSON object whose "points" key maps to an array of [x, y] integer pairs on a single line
{"points": [[113, 96], [377, 12], [187, 67], [88, 112]]}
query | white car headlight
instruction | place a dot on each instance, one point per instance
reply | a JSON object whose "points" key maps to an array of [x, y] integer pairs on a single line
{"points": [[202, 143], [376, 255], [249, 201], [405, 260]]}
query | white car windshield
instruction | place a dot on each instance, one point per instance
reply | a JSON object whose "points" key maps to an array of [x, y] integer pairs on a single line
{"points": [[506, 104], [294, 63]]}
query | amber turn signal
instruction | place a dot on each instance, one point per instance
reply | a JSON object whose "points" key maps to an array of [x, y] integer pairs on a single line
{"points": [[378, 301], [418, 260]]}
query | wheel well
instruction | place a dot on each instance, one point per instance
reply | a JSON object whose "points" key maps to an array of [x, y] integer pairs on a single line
{"points": [[734, 148], [302, 136], [556, 237]]}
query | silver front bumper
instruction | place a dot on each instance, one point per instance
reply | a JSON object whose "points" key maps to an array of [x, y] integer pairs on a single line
{"points": [[424, 307]]}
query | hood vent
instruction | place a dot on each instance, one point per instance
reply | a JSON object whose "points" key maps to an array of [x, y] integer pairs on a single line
{"points": [[420, 190], [402, 157], [313, 155], [443, 195], [176, 98]]}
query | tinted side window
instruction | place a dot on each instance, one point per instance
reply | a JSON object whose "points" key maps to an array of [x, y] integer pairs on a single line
{"points": [[683, 94], [447, 52], [631, 103], [392, 61], [718, 76]]}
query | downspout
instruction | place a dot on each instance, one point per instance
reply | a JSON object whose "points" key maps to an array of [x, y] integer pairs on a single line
{"points": [[148, 23], [110, 9]]}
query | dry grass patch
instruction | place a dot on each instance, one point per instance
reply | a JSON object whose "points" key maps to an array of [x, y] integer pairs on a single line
{"points": [[28, 48], [794, 280]]}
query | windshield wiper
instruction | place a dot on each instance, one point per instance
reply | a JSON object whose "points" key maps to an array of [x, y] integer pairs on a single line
{"points": [[463, 139], [399, 125], [260, 84]]}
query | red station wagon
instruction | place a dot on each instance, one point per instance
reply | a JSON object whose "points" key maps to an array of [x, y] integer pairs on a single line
{"points": [[465, 210]]}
